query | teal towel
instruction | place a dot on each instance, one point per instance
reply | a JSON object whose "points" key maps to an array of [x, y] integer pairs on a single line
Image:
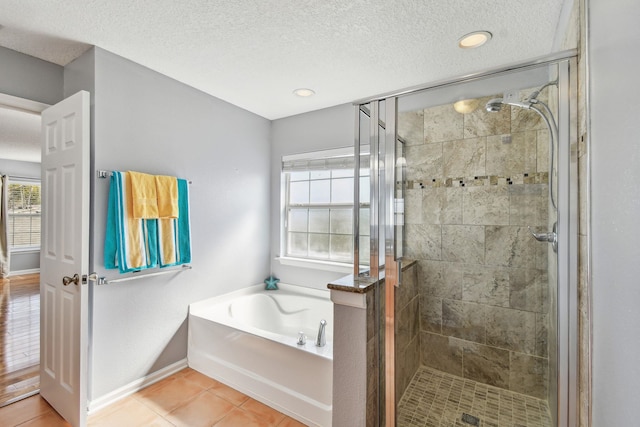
{"points": [[130, 244], [184, 228]]}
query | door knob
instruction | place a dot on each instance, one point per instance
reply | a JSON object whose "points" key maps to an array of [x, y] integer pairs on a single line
{"points": [[66, 280]]}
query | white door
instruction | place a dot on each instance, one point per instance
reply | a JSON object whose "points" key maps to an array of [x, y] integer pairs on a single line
{"points": [[65, 255]]}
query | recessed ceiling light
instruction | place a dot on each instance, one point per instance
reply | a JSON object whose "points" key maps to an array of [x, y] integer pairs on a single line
{"points": [[473, 40], [304, 92]]}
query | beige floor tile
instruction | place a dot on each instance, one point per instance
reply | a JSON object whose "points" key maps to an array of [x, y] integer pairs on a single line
{"points": [[24, 410], [263, 411], [128, 412], [239, 417], [204, 410], [169, 395], [228, 393], [290, 422], [200, 379]]}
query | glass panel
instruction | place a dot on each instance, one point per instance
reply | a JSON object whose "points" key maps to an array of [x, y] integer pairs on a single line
{"points": [[319, 220], [400, 187], [342, 173], [365, 189], [483, 178], [319, 245], [299, 176], [297, 244], [298, 220], [299, 192], [322, 174], [364, 250], [341, 221], [342, 190], [23, 219], [341, 247], [320, 191], [365, 227]]}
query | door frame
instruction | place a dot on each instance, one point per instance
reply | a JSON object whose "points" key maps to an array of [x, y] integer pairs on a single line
{"points": [[30, 107]]}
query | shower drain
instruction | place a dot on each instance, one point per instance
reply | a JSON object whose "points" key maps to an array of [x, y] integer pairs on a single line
{"points": [[470, 419]]}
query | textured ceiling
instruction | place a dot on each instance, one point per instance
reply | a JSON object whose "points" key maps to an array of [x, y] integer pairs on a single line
{"points": [[254, 53]]}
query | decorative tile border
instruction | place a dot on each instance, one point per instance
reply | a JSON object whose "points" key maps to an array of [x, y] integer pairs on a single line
{"points": [[479, 181]]}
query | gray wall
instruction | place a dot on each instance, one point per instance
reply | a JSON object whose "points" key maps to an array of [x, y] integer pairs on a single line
{"points": [[37, 80], [22, 261], [30, 78], [318, 130], [147, 122], [615, 206]]}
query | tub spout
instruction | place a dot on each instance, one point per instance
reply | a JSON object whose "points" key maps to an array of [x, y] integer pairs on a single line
{"points": [[321, 340]]}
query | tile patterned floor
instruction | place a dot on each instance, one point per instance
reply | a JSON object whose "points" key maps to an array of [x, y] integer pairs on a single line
{"points": [[435, 399], [186, 398]]}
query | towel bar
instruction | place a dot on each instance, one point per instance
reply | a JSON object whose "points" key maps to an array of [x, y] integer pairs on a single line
{"points": [[105, 281], [106, 174]]}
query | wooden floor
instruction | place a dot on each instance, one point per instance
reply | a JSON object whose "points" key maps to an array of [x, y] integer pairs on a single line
{"points": [[19, 336]]}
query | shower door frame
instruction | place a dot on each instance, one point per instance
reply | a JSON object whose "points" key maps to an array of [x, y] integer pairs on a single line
{"points": [[567, 218]]}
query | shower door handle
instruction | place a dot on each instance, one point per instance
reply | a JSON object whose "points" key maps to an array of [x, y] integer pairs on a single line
{"points": [[551, 237]]}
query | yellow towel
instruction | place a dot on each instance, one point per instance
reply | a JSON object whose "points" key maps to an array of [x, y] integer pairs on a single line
{"points": [[167, 241], [136, 237], [144, 198], [167, 191]]}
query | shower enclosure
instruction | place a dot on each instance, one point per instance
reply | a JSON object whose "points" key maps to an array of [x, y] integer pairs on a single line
{"points": [[473, 182]]}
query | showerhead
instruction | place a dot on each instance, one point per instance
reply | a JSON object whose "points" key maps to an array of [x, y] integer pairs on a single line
{"points": [[494, 105]]}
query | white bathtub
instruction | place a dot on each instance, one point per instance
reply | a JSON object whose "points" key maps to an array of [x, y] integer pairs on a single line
{"points": [[248, 340]]}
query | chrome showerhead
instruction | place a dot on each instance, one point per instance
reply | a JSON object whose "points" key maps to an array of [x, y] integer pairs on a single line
{"points": [[494, 105]]}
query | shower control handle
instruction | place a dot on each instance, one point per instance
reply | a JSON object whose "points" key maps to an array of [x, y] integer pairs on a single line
{"points": [[551, 237]]}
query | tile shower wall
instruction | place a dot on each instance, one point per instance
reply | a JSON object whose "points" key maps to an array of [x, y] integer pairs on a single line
{"points": [[407, 329], [475, 182]]}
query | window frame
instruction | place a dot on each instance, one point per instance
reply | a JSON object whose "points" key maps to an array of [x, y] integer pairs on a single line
{"points": [[285, 257], [32, 247]]}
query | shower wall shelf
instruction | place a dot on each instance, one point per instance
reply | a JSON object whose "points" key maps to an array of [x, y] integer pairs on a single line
{"points": [[105, 281]]}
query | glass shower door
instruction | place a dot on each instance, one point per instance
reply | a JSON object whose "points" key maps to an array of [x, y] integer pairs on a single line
{"points": [[475, 308], [479, 183]]}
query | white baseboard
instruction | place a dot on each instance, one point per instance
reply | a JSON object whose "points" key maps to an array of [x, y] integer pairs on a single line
{"points": [[135, 386], [21, 272]]}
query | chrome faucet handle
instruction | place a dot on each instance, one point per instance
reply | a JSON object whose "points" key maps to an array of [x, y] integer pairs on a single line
{"points": [[551, 237], [302, 338]]}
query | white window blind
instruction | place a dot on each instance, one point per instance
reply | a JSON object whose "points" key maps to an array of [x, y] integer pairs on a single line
{"points": [[24, 215]]}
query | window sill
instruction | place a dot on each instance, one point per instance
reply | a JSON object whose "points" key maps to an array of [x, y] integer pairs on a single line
{"points": [[336, 267], [24, 250]]}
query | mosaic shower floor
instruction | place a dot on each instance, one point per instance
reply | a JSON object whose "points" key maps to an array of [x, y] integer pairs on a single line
{"points": [[435, 399]]}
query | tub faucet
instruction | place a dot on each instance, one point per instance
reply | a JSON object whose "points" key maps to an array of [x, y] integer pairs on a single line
{"points": [[321, 340]]}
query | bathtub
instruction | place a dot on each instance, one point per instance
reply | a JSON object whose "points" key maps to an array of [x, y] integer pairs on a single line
{"points": [[247, 339]]}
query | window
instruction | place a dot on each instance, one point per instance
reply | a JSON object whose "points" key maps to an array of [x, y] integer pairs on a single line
{"points": [[24, 215], [318, 205]]}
